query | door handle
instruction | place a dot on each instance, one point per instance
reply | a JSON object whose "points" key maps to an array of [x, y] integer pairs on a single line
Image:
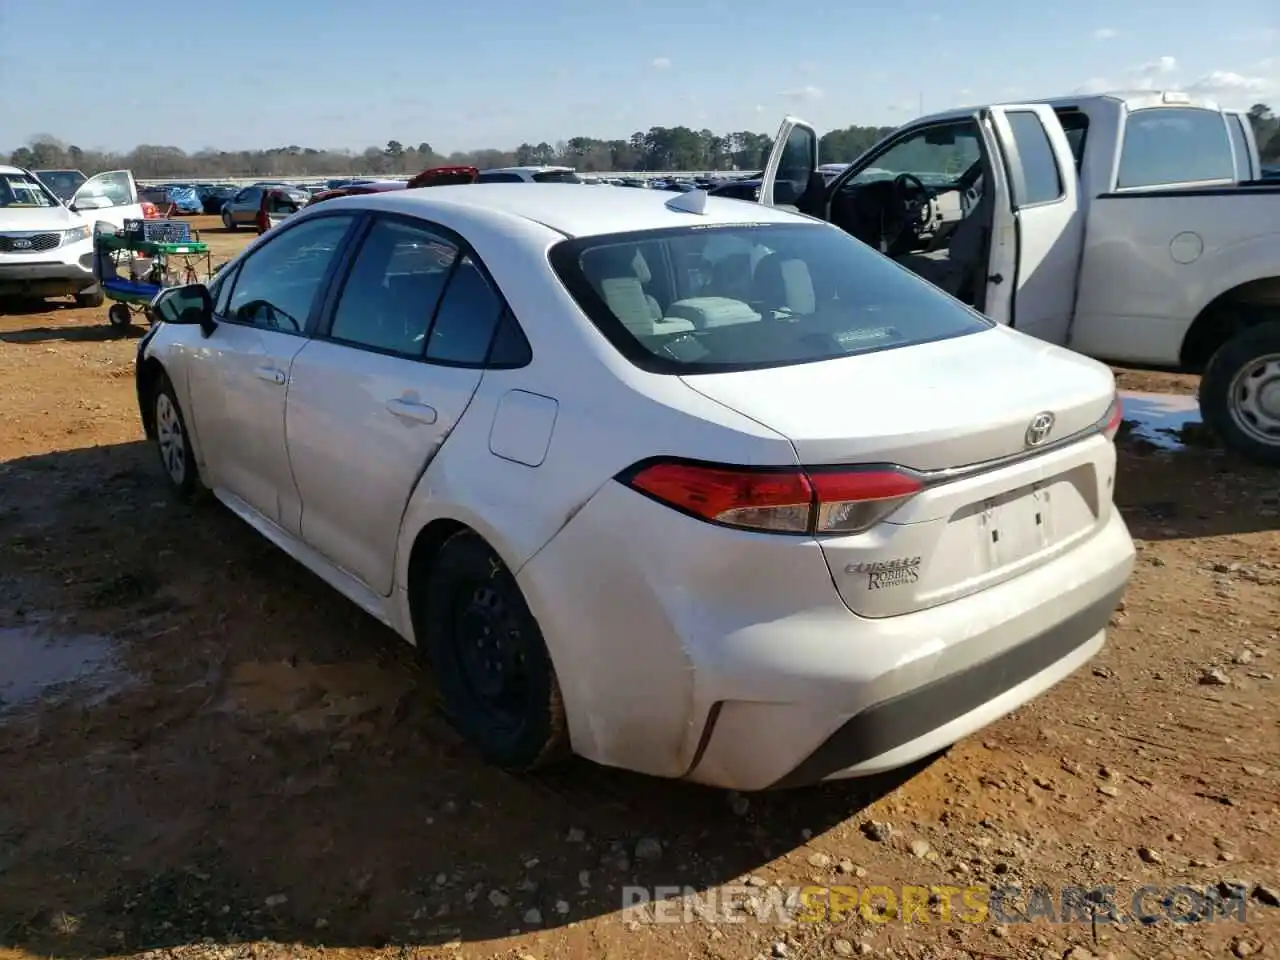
{"points": [[412, 410], [270, 374], [996, 278]]}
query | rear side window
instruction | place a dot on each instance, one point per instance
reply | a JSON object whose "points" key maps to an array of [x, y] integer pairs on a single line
{"points": [[499, 178], [467, 318], [737, 297], [1240, 145], [1038, 180], [1170, 145]]}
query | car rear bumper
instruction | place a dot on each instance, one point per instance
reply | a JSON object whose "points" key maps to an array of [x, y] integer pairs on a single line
{"points": [[728, 658]]}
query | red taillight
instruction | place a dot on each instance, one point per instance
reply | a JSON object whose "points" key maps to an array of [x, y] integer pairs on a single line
{"points": [[1112, 419], [783, 500]]}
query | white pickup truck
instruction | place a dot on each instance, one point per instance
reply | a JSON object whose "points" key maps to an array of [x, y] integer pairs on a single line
{"points": [[1132, 228], [46, 244]]}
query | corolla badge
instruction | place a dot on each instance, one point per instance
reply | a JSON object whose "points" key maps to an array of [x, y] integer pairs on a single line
{"points": [[1039, 428]]}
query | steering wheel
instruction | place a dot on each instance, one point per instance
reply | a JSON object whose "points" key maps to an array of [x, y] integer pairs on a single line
{"points": [[918, 204]]}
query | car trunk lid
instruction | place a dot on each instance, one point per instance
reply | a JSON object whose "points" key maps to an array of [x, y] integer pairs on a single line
{"points": [[1000, 495]]}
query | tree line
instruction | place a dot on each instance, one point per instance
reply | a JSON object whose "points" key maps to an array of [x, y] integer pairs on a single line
{"points": [[661, 148]]}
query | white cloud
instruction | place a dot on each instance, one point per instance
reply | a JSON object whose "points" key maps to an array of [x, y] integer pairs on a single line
{"points": [[801, 94], [1258, 35], [660, 63], [1095, 85], [1104, 33], [1228, 84], [1158, 66]]}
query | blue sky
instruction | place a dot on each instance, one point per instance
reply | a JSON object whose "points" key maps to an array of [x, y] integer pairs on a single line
{"points": [[481, 73]]}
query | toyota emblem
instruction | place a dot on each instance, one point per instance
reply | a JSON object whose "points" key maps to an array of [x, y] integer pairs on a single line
{"points": [[1039, 429]]}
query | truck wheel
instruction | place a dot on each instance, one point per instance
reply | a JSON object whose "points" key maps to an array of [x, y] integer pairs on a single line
{"points": [[1240, 393], [92, 297]]}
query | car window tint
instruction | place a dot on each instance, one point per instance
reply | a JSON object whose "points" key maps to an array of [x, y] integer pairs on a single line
{"points": [[467, 317], [395, 283], [1075, 123], [510, 346], [499, 178], [556, 176], [1164, 145], [278, 283], [1040, 180]]}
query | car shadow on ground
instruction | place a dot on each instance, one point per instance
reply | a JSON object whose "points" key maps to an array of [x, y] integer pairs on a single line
{"points": [[74, 334], [1192, 489], [27, 306], [265, 761]]}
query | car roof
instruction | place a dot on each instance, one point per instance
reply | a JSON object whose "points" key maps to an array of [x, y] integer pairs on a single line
{"points": [[569, 210], [5, 168]]}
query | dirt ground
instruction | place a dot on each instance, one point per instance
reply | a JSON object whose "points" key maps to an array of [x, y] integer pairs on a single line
{"points": [[242, 764]]}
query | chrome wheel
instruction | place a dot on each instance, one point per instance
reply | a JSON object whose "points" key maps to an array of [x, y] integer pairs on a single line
{"points": [[172, 439], [1254, 399]]}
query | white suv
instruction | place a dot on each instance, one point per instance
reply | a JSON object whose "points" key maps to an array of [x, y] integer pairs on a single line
{"points": [[46, 247]]}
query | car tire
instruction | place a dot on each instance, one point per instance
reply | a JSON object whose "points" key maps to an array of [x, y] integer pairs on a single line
{"points": [[173, 442], [118, 316], [496, 680], [227, 222], [1240, 393], [90, 297]]}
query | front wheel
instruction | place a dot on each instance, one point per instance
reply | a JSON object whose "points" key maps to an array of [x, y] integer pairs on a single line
{"points": [[227, 221], [1240, 393], [494, 673], [173, 442]]}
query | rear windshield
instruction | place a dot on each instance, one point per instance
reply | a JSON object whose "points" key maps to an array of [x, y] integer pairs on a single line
{"points": [[1170, 145], [750, 296], [556, 176]]}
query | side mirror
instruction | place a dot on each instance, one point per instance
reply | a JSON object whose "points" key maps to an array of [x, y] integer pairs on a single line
{"points": [[191, 305]]}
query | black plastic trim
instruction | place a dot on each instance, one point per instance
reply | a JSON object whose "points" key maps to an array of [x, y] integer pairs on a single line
{"points": [[899, 720]]}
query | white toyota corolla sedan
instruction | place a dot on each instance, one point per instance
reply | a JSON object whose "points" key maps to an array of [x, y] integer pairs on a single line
{"points": [[684, 485]]}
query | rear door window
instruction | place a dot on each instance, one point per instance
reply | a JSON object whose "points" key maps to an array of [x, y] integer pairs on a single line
{"points": [[1038, 179], [1164, 146], [391, 293]]}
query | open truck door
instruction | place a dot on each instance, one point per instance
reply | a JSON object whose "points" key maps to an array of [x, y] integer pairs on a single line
{"points": [[1038, 226], [791, 180]]}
